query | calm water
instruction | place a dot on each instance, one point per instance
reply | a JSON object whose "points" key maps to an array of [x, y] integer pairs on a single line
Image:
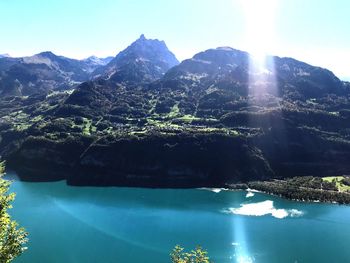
{"points": [[105, 225]]}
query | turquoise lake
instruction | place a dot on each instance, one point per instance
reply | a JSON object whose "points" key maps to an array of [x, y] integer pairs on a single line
{"points": [[104, 225]]}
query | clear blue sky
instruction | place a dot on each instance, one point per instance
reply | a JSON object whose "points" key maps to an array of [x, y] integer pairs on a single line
{"points": [[315, 31]]}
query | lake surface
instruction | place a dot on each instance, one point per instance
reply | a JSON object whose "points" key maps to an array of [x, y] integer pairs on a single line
{"points": [[105, 225]]}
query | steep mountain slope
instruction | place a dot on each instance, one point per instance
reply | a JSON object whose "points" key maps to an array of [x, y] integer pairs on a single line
{"points": [[7, 62], [142, 62], [211, 84], [209, 121]]}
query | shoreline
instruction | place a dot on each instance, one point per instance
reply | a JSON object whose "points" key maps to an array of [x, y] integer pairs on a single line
{"points": [[252, 190], [285, 189]]}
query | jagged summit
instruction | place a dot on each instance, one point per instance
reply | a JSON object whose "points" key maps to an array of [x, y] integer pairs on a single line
{"points": [[142, 37], [148, 49], [145, 60]]}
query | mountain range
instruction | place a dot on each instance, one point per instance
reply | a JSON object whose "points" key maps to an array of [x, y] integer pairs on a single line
{"points": [[43, 73], [4, 55], [144, 119]]}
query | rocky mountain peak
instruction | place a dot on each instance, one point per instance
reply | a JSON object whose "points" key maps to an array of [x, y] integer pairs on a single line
{"points": [[142, 37], [47, 54], [148, 49], [145, 60]]}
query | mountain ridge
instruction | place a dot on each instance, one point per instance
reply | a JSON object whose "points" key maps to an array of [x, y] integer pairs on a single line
{"points": [[40, 73], [208, 121], [6, 55], [45, 72]]}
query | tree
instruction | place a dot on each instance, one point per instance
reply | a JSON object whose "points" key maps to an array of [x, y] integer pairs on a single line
{"points": [[12, 238], [195, 256]]}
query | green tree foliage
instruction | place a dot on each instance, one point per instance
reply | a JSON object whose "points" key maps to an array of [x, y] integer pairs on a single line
{"points": [[178, 255], [12, 238], [306, 188]]}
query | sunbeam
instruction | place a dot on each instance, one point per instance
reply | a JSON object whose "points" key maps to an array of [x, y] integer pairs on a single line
{"points": [[240, 244], [262, 87], [260, 39]]}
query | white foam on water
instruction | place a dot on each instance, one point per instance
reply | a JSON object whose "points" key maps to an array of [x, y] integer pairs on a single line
{"points": [[263, 208], [279, 213], [295, 213], [249, 194], [215, 190]]}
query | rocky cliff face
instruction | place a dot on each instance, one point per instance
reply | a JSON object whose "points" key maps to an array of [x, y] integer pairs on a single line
{"points": [[208, 121]]}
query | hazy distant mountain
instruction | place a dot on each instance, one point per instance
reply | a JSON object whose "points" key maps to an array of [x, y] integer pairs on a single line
{"points": [[94, 62], [144, 60], [43, 72], [4, 56], [98, 61]]}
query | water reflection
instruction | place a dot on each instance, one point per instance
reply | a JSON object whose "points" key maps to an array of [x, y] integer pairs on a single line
{"points": [[241, 242], [128, 225]]}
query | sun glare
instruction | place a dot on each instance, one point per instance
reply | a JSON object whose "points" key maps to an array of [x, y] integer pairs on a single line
{"points": [[260, 41], [259, 26]]}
